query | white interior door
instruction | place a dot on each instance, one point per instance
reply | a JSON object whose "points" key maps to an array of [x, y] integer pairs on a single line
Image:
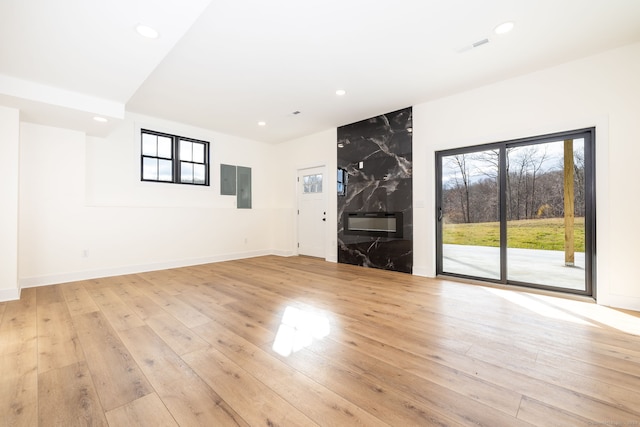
{"points": [[312, 211]]}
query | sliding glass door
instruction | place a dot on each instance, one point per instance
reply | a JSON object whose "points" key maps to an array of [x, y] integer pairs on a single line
{"points": [[519, 212], [470, 214]]}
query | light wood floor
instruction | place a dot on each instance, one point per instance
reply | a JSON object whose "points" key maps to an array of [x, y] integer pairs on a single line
{"points": [[195, 346]]}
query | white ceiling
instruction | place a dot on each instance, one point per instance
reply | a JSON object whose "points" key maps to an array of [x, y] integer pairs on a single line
{"points": [[227, 64]]}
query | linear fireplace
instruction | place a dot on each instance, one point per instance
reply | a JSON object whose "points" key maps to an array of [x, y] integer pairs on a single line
{"points": [[375, 224]]}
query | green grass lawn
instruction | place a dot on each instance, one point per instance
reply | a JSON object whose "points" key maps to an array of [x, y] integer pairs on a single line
{"points": [[526, 234]]}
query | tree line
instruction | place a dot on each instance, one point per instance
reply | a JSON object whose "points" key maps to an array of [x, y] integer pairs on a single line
{"points": [[534, 178]]}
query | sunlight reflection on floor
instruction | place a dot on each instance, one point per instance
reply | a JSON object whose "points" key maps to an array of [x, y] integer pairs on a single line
{"points": [[584, 313], [298, 329]]}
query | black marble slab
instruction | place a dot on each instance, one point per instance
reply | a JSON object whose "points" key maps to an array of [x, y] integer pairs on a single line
{"points": [[377, 156]]}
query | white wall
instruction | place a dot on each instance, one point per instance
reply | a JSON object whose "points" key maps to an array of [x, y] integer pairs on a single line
{"points": [[52, 220], [310, 151], [85, 212], [601, 91], [9, 166]]}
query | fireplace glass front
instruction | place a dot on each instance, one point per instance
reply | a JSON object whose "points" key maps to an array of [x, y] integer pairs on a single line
{"points": [[377, 224]]}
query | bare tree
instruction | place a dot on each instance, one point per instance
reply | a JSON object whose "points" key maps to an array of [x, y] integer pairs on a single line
{"points": [[460, 163], [491, 159], [536, 164], [534, 185], [578, 166], [516, 182]]}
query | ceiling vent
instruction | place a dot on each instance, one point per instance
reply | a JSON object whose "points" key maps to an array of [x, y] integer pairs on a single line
{"points": [[474, 45], [480, 42]]}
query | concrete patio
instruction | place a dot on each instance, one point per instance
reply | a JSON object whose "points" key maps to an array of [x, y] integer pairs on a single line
{"points": [[524, 265]]}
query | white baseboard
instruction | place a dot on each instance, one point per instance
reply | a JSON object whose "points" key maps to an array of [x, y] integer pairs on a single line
{"points": [[422, 272], [31, 282], [619, 301], [283, 253], [9, 295]]}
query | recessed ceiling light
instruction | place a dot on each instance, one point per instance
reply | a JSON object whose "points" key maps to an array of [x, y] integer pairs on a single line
{"points": [[146, 31], [504, 28], [100, 119], [262, 123], [341, 92]]}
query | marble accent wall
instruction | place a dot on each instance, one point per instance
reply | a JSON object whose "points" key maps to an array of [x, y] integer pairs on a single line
{"points": [[377, 155]]}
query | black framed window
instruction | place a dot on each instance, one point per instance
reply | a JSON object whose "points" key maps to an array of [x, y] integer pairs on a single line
{"points": [[172, 158]]}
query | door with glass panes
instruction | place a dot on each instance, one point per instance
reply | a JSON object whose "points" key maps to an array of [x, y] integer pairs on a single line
{"points": [[519, 212], [312, 215]]}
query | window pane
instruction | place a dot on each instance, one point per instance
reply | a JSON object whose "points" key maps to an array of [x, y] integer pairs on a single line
{"points": [[199, 174], [545, 228], [306, 185], [165, 170], [342, 182], [186, 151], [149, 168], [149, 145], [198, 153], [471, 214], [186, 172], [164, 147], [312, 183]]}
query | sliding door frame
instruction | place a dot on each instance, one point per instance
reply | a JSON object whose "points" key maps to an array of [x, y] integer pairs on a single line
{"points": [[590, 207]]}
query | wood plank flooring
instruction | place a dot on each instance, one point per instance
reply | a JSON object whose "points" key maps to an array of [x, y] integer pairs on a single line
{"points": [[274, 341]]}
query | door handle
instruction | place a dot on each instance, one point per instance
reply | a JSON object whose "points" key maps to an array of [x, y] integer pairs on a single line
{"points": [[439, 214]]}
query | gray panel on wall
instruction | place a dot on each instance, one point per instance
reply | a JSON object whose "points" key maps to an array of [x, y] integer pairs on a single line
{"points": [[244, 187], [227, 180]]}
